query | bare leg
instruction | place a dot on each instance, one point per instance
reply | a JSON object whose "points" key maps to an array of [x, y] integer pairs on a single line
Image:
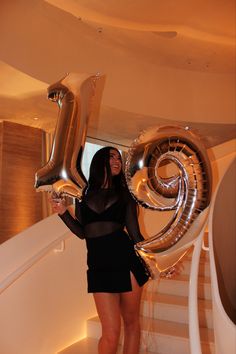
{"points": [[130, 307], [108, 308]]}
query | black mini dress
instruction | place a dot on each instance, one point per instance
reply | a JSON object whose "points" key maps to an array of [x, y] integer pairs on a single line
{"points": [[107, 219]]}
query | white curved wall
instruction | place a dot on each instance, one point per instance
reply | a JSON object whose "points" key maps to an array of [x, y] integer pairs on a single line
{"points": [[220, 228], [46, 308]]}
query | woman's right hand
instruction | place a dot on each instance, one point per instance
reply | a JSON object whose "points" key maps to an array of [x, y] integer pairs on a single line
{"points": [[58, 205]]}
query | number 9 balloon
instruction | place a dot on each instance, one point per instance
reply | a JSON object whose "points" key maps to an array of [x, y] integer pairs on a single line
{"points": [[186, 192], [78, 97]]}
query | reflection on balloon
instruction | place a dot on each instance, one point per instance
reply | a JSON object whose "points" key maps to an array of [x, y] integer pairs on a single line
{"points": [[78, 97], [168, 169]]}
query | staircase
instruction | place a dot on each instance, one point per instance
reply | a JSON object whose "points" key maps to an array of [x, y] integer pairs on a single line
{"points": [[164, 316]]}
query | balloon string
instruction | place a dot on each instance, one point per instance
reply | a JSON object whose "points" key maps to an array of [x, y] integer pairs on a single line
{"points": [[148, 338]]}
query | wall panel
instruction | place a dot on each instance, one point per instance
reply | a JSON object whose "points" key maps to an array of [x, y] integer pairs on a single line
{"points": [[20, 157]]}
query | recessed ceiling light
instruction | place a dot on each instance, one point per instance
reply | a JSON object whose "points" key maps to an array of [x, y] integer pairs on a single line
{"points": [[35, 118]]}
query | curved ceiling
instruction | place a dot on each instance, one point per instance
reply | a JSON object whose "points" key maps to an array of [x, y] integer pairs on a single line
{"points": [[205, 20], [164, 61]]}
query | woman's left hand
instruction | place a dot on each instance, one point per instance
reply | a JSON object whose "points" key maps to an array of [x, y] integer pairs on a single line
{"points": [[58, 205]]}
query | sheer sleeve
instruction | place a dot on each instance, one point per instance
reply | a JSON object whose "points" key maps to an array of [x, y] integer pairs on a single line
{"points": [[74, 224], [131, 220]]}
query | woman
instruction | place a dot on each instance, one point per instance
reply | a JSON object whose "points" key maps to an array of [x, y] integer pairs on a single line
{"points": [[115, 273]]}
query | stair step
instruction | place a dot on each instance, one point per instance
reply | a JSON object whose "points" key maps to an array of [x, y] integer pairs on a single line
{"points": [[84, 346], [89, 346], [170, 337], [163, 337], [204, 267], [179, 285], [203, 256], [174, 308]]}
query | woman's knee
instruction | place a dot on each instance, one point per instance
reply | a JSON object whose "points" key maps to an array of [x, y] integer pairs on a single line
{"points": [[111, 334], [131, 321]]}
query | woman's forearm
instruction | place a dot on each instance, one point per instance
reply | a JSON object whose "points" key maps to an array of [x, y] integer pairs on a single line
{"points": [[72, 223]]}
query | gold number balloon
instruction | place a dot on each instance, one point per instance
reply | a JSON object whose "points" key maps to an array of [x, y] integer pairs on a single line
{"points": [[78, 97], [187, 191]]}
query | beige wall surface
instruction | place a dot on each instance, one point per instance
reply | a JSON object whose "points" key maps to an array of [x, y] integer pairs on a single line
{"points": [[152, 79], [44, 309], [222, 254], [224, 241]]}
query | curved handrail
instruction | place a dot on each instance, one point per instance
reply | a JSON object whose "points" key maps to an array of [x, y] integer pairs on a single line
{"points": [[194, 333], [16, 274], [204, 247]]}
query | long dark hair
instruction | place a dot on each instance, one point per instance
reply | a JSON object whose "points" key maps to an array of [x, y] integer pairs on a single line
{"points": [[100, 171]]}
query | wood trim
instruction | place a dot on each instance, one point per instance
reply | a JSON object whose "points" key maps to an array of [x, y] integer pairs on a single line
{"points": [[21, 157]]}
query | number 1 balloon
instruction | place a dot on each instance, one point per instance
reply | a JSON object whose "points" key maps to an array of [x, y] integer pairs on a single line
{"points": [[78, 97]]}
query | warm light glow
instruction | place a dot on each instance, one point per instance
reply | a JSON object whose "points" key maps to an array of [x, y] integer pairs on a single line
{"points": [[64, 174], [140, 164]]}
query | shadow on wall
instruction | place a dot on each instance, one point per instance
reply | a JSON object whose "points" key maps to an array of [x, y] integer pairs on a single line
{"points": [[224, 241]]}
